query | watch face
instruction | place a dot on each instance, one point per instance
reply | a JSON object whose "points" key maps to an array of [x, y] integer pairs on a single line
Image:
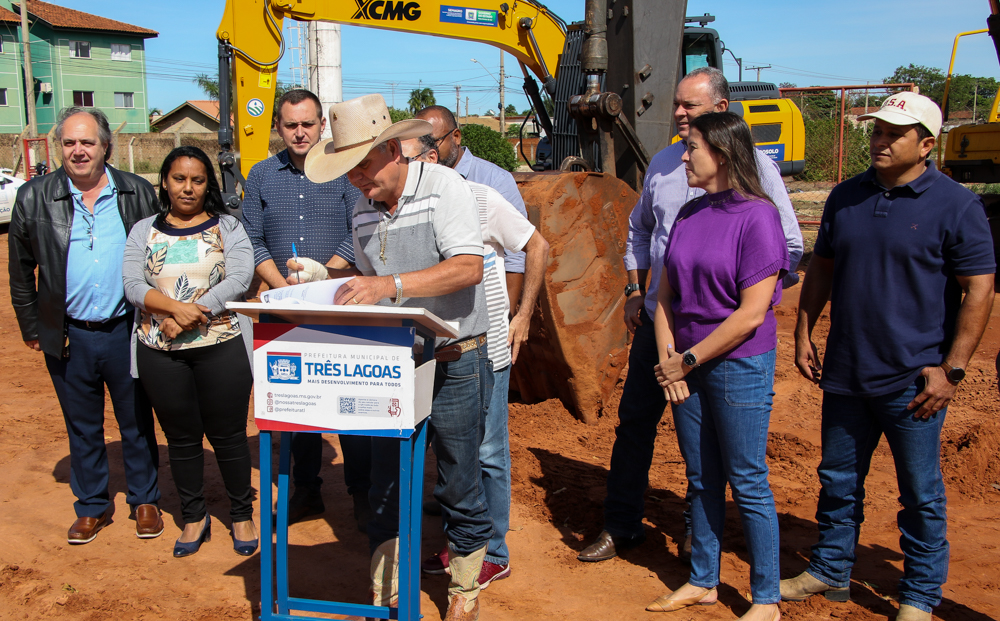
{"points": [[690, 359], [956, 374]]}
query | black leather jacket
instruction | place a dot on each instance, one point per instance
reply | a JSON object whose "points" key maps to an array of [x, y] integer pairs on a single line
{"points": [[39, 237]]}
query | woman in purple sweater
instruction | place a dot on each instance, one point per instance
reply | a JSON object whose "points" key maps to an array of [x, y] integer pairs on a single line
{"points": [[716, 334]]}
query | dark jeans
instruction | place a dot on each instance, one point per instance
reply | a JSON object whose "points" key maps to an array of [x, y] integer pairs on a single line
{"points": [[307, 455], [198, 393], [639, 413], [852, 428], [97, 358], [462, 391]]}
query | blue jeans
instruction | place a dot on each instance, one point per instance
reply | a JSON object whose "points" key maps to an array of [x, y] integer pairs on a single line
{"points": [[722, 431], [494, 459], [852, 428], [462, 390], [102, 357], [639, 413]]}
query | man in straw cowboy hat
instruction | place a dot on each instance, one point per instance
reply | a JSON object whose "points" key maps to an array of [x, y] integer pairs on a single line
{"points": [[417, 242]]}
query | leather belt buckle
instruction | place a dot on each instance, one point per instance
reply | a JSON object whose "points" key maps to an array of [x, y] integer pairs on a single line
{"points": [[451, 353]]}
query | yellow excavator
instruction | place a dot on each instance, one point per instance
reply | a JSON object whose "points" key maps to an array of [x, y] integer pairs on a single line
{"points": [[612, 78], [972, 152]]}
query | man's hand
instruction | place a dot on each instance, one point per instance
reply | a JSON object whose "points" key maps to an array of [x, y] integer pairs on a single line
{"points": [[677, 392], [517, 335], [935, 396], [33, 344], [807, 359], [170, 329], [188, 316], [305, 270], [672, 369], [633, 305], [366, 290]]}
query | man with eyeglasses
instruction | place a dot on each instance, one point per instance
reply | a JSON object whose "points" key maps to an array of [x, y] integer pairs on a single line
{"points": [[71, 226], [448, 140]]}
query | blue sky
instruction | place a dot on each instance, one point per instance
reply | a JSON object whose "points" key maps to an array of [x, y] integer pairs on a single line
{"points": [[807, 43]]}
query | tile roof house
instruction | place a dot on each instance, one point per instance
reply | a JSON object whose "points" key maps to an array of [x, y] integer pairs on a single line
{"points": [[191, 117], [76, 59]]}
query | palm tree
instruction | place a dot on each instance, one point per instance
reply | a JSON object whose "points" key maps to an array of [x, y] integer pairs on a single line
{"points": [[420, 98], [208, 84]]}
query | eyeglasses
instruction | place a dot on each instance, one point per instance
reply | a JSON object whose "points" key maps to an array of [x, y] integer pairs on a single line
{"points": [[438, 141], [423, 153]]}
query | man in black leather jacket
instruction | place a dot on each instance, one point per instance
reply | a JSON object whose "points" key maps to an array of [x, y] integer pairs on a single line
{"points": [[71, 225]]}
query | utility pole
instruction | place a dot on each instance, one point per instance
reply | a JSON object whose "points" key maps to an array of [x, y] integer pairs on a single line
{"points": [[758, 70], [975, 97], [458, 101], [466, 107], [503, 118], [29, 79], [392, 85]]}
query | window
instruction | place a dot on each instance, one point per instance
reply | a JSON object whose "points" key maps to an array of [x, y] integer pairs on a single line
{"points": [[121, 51], [123, 100], [83, 98], [79, 49], [3, 97]]}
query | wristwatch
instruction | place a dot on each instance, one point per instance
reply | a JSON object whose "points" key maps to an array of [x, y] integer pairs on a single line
{"points": [[954, 374], [631, 288], [690, 359]]}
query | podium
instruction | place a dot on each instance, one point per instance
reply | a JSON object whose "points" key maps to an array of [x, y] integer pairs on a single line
{"points": [[348, 370]]}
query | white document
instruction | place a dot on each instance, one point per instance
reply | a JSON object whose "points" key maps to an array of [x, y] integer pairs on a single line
{"points": [[320, 292]]}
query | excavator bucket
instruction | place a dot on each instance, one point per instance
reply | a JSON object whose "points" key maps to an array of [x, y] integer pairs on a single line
{"points": [[578, 345]]}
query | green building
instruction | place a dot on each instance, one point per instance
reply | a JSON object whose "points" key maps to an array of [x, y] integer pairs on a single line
{"points": [[76, 59]]}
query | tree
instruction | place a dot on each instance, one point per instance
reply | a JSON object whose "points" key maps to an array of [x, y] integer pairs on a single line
{"points": [[155, 112], [510, 110], [930, 80], [208, 84], [489, 145], [965, 91], [420, 98], [397, 115], [787, 85]]}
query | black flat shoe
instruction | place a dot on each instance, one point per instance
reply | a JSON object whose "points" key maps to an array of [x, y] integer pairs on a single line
{"points": [[182, 549]]}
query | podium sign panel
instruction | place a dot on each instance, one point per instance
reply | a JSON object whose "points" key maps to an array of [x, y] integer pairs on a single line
{"points": [[339, 378]]}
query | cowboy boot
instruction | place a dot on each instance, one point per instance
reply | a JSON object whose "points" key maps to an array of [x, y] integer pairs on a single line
{"points": [[385, 573], [463, 590], [384, 578]]}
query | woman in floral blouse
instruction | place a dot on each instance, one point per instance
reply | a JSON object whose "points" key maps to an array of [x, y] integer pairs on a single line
{"points": [[192, 355]]}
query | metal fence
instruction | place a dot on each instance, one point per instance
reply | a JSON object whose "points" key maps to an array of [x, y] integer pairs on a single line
{"points": [[836, 141]]}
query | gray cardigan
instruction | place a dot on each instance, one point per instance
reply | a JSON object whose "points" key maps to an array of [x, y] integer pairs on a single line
{"points": [[238, 254]]}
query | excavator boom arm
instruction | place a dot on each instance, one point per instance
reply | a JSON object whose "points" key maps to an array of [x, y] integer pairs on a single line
{"points": [[252, 29]]}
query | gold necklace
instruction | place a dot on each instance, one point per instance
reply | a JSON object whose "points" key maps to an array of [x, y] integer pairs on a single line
{"points": [[383, 236]]}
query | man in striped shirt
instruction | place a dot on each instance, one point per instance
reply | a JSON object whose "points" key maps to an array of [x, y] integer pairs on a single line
{"points": [[504, 228]]}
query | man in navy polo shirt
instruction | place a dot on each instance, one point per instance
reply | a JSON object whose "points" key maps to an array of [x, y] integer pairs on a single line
{"points": [[897, 248], [284, 212]]}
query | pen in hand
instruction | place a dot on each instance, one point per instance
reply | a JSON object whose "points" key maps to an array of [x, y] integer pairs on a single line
{"points": [[295, 255]]}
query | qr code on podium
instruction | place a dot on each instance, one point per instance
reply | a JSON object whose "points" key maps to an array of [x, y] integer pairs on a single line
{"points": [[347, 405]]}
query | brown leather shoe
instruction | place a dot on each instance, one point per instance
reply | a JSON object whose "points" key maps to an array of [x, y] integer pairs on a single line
{"points": [[459, 609], [606, 547], [85, 529], [148, 522]]}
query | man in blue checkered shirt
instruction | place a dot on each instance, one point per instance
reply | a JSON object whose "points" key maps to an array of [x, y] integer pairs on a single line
{"points": [[284, 212]]}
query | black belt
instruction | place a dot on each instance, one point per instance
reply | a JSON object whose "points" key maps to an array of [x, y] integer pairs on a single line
{"points": [[96, 325]]}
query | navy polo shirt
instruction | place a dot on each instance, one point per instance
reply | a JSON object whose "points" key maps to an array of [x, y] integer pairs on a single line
{"points": [[282, 207], [895, 298]]}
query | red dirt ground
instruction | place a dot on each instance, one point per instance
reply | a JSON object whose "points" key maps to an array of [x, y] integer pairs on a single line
{"points": [[559, 470]]}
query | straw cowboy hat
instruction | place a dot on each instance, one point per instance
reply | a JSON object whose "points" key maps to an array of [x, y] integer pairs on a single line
{"points": [[357, 126]]}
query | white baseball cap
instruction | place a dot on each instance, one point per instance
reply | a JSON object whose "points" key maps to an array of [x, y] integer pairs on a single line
{"points": [[908, 108]]}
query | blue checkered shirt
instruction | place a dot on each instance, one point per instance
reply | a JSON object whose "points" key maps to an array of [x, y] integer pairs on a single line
{"points": [[282, 207]]}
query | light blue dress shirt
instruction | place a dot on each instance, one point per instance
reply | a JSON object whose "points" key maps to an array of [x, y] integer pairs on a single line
{"points": [[94, 290], [665, 190], [478, 170]]}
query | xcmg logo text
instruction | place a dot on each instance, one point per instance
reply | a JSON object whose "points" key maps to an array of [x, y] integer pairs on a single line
{"points": [[387, 9]]}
